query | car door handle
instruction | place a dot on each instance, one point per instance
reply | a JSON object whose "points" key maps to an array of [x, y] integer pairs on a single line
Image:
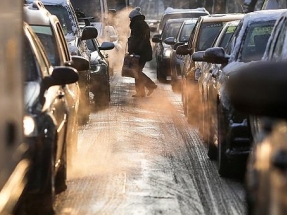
{"points": [[279, 159]]}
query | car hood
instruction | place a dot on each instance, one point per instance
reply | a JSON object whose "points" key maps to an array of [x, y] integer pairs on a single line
{"points": [[31, 94]]}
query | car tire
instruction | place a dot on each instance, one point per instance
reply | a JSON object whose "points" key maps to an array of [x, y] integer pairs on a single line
{"points": [[61, 175], [223, 164], [43, 201], [159, 74]]}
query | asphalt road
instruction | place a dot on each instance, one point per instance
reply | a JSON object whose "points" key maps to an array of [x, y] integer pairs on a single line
{"points": [[140, 156]]}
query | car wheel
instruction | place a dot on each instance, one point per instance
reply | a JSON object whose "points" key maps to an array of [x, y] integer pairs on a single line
{"points": [[183, 98], [223, 164], [102, 96], [61, 176], [159, 73], [84, 109], [43, 201]]}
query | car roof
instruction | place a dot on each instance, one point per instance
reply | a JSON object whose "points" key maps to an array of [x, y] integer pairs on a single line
{"points": [[170, 10], [222, 17], [190, 21], [51, 2], [37, 14], [263, 14]]}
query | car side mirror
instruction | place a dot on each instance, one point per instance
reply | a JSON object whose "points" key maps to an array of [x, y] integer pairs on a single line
{"points": [[156, 38], [215, 55], [170, 41], [89, 32], [257, 89], [183, 50], [198, 56], [61, 75], [107, 46], [80, 63]]}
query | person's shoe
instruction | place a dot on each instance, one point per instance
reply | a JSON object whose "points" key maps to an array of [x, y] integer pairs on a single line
{"points": [[150, 91], [138, 95]]}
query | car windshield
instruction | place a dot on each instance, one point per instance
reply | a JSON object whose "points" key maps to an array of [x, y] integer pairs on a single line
{"points": [[88, 8], [47, 38], [29, 64], [63, 16], [254, 41], [185, 32], [171, 30], [207, 34]]}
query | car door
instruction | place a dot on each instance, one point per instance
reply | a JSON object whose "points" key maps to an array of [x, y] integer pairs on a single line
{"points": [[55, 103]]}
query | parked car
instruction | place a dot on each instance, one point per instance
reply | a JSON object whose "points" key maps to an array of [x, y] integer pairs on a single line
{"points": [[100, 72], [263, 100], [45, 124], [176, 60], [48, 29], [204, 33], [162, 51], [76, 39], [15, 153], [204, 84], [229, 129], [174, 13]]}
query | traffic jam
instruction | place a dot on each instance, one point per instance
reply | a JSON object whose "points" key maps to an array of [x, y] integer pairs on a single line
{"points": [[143, 107]]}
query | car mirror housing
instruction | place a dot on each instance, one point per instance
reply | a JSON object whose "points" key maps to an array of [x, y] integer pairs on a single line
{"points": [[258, 89], [183, 50], [215, 55], [156, 38], [107, 46], [198, 56], [170, 41], [61, 75], [80, 63], [89, 32]]}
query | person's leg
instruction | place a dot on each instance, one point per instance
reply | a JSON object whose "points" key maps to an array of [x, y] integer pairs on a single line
{"points": [[139, 82]]}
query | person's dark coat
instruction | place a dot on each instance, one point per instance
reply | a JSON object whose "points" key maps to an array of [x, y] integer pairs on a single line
{"points": [[139, 40]]}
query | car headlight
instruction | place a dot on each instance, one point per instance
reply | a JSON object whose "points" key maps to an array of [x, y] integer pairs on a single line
{"points": [[167, 53], [29, 125]]}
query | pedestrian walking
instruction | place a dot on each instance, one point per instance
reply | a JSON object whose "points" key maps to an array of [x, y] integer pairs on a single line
{"points": [[139, 44]]}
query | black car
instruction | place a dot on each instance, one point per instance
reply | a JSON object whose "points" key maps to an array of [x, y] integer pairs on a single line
{"points": [[100, 72], [229, 131], [45, 124], [162, 51], [262, 98], [76, 39], [176, 60]]}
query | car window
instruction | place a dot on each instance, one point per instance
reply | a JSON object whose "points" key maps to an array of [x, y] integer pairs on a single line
{"points": [[279, 52], [63, 42], [63, 16], [255, 40], [48, 40], [185, 32], [207, 34], [226, 37], [29, 64]]}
